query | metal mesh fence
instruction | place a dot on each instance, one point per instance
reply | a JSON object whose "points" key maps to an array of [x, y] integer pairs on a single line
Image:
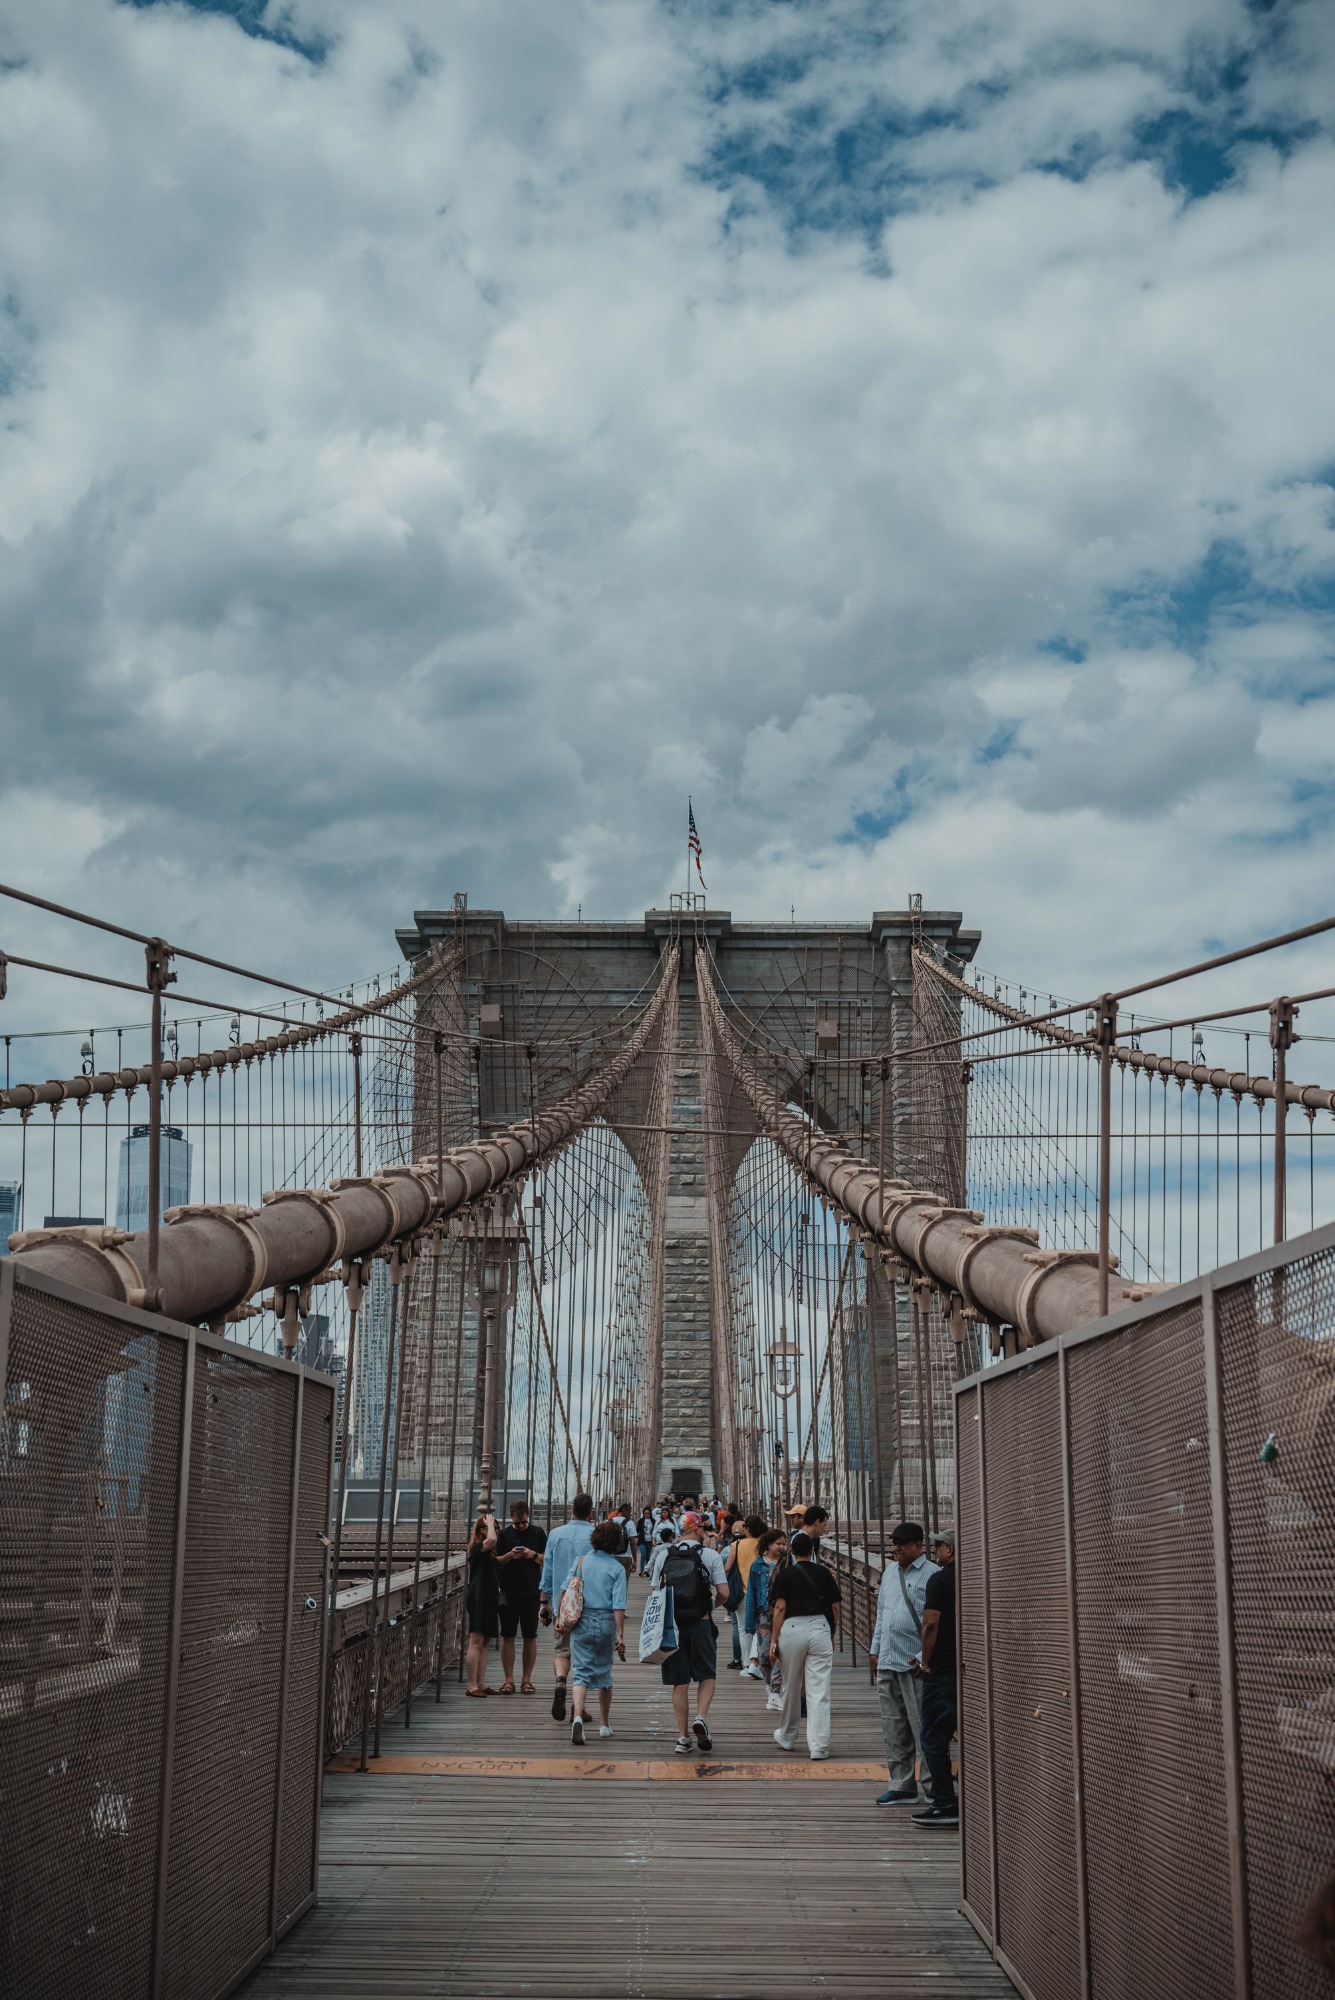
{"points": [[1147, 1620], [1163, 1774], [88, 1483], [1030, 1682], [975, 1762], [147, 1565], [1277, 1345]]}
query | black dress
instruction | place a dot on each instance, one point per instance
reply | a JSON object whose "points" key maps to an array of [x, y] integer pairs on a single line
{"points": [[483, 1599]]}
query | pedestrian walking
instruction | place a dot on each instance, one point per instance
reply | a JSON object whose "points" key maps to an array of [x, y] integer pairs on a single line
{"points": [[759, 1614], [698, 1581], [815, 1521], [601, 1628], [565, 1546], [644, 1535], [737, 1560], [482, 1601], [895, 1644], [805, 1599], [939, 1699], [520, 1549]]}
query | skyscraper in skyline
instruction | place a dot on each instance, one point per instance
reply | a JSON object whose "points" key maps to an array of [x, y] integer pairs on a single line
{"points": [[132, 1190], [11, 1196]]}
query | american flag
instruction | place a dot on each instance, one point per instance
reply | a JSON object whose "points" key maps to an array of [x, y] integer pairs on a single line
{"points": [[693, 842]]}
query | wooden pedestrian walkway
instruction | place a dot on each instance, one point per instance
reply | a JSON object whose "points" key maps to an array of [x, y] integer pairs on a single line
{"points": [[482, 1855]]}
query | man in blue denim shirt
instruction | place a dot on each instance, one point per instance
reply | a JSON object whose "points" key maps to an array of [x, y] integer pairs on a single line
{"points": [[565, 1546], [894, 1646]]}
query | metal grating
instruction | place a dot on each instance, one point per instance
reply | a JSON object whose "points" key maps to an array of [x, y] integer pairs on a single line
{"points": [[1036, 1921], [301, 1738], [226, 1738], [975, 1778], [1149, 1685], [88, 1486], [1277, 1356]]}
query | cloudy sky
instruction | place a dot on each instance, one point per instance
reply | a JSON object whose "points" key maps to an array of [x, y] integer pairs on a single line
{"points": [[440, 435]]}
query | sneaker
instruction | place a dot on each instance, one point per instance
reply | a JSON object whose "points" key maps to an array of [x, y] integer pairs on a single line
{"points": [[753, 1673], [893, 1798], [937, 1816], [734, 1666], [700, 1730], [559, 1702], [820, 1756], [774, 1701], [577, 1730], [685, 1745], [605, 1730], [778, 1738]]}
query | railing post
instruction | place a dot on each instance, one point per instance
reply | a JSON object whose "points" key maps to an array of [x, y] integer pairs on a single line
{"points": [[285, 1668], [172, 1677], [1282, 1038], [158, 977], [1106, 1036], [1073, 1631], [983, 1566], [1228, 1689], [355, 1046]]}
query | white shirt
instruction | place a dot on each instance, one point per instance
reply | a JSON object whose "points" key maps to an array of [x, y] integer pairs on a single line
{"points": [[711, 1560]]}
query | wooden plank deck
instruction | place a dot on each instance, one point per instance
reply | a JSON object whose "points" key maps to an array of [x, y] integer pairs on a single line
{"points": [[485, 1856]]}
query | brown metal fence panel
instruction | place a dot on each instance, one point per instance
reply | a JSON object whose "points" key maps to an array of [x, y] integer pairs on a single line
{"points": [[88, 1483], [224, 1786], [1277, 1356], [302, 1753], [1151, 1732], [103, 1717], [975, 1773], [1036, 1924]]}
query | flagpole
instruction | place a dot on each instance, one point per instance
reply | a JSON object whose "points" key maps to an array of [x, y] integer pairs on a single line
{"points": [[688, 843]]}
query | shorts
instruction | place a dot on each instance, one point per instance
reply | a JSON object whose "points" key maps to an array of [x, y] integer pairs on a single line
{"points": [[517, 1613], [696, 1657]]}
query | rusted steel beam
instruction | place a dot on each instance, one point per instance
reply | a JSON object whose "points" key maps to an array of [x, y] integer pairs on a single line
{"points": [[1002, 1275], [212, 1258], [1309, 1096]]}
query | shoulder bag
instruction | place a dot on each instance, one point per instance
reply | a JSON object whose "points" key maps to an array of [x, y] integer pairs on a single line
{"points": [[571, 1608]]}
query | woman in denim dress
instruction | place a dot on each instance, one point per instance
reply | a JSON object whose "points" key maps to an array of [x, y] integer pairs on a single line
{"points": [[601, 1631]]}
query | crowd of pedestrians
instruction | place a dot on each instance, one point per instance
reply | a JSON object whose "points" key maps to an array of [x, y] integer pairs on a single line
{"points": [[782, 1607]]}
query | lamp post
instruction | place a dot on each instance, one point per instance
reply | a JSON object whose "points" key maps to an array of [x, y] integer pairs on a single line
{"points": [[783, 1358]]}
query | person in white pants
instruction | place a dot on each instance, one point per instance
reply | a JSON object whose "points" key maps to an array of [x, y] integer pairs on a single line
{"points": [[805, 1600]]}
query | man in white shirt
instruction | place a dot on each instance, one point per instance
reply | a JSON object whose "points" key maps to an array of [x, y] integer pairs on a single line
{"points": [[698, 1581], [894, 1646]]}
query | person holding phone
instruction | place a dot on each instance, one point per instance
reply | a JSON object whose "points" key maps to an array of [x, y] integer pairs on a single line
{"points": [[483, 1602]]}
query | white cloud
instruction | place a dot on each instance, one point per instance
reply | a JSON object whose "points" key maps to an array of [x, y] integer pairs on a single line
{"points": [[424, 467]]}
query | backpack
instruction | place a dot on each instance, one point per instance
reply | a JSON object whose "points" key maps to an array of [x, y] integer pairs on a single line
{"points": [[684, 1571]]}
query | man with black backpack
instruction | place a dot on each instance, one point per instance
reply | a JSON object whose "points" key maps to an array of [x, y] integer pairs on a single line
{"points": [[698, 1582]]}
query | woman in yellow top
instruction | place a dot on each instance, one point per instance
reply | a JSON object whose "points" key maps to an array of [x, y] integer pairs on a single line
{"points": [[739, 1558]]}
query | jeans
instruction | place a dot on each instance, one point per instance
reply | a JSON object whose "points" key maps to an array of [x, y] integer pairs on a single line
{"points": [[938, 1726], [807, 1654], [901, 1726], [736, 1639]]}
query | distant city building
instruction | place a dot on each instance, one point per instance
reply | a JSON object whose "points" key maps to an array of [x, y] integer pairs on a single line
{"points": [[315, 1348], [132, 1191], [11, 1196]]}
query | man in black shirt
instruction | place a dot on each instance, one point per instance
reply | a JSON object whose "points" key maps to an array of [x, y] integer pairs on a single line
{"points": [[939, 1704], [519, 1553]]}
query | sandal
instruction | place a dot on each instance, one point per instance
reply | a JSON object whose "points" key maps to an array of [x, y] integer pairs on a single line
{"points": [[506, 1687], [477, 1694], [527, 1687]]}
